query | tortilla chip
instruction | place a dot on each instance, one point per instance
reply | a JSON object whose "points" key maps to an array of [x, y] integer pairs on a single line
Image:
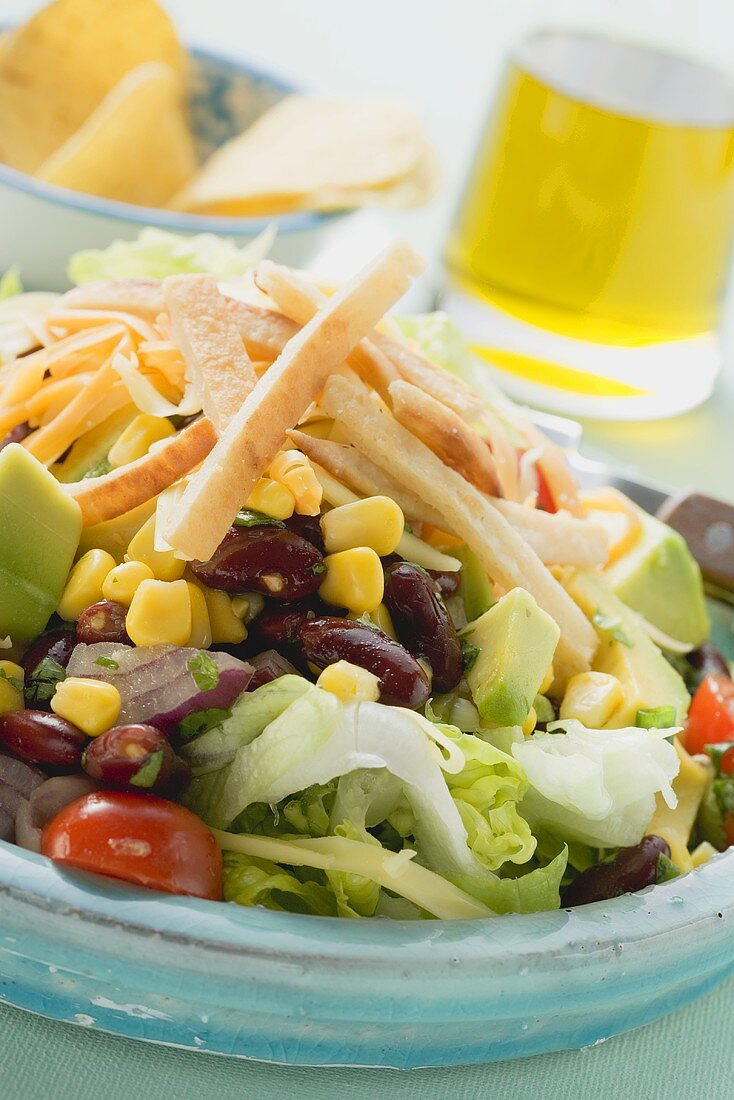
{"points": [[61, 64], [135, 147], [309, 153]]}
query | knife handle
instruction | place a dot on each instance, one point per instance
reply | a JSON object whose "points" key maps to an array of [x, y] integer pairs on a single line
{"points": [[707, 525]]}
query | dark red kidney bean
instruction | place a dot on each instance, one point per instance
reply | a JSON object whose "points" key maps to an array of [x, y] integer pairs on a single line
{"points": [[308, 527], [103, 622], [423, 623], [135, 757], [41, 738], [632, 870], [326, 639], [278, 626], [269, 666], [272, 560], [707, 661], [16, 435], [448, 582], [58, 645]]}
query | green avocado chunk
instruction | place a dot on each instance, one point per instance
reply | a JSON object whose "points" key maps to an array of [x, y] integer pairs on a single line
{"points": [[625, 651], [475, 588], [40, 527], [659, 578], [516, 641]]}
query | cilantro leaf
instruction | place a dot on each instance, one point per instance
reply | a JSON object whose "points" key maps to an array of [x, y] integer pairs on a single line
{"points": [[204, 671], [248, 517], [41, 683], [106, 662], [199, 721], [611, 626], [98, 470], [147, 774], [469, 653], [14, 681]]}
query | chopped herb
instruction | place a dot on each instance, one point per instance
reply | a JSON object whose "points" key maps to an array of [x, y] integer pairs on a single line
{"points": [[611, 626], [199, 721], [248, 517], [665, 870], [99, 470], [655, 718], [365, 620], [41, 683], [146, 775], [204, 671], [318, 569], [469, 653], [14, 681], [106, 662]]}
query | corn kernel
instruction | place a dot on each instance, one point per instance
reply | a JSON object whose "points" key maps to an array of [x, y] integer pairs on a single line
{"points": [[272, 498], [201, 631], [138, 437], [592, 698], [548, 682], [530, 722], [11, 687], [92, 705], [381, 618], [160, 613], [226, 625], [376, 522], [164, 565], [350, 682], [241, 607], [84, 584], [122, 582], [354, 579], [702, 854]]}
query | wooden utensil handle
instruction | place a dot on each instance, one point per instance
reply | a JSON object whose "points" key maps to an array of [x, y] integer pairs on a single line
{"points": [[707, 525]]}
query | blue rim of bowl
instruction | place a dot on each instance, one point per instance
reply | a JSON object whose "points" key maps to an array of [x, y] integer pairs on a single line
{"points": [[169, 219]]}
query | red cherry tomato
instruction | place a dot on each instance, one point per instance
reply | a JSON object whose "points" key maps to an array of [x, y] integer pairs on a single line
{"points": [[711, 717], [139, 838], [545, 497], [726, 764]]}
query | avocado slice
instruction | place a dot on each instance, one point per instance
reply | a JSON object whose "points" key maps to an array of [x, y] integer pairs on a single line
{"points": [[93, 447], [625, 651], [659, 578], [40, 527], [475, 587], [515, 642]]}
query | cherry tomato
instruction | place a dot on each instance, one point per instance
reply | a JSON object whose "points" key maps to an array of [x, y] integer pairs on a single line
{"points": [[726, 764], [545, 497], [711, 717], [140, 838]]}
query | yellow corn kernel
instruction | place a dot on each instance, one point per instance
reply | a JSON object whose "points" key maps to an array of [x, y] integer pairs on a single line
{"points": [[122, 582], [160, 613], [592, 698], [272, 498], [530, 722], [548, 682], [293, 470], [376, 522], [702, 854], [164, 565], [226, 625], [354, 579], [92, 705], [350, 682], [241, 607], [84, 584], [201, 631], [138, 437], [382, 618], [11, 696]]}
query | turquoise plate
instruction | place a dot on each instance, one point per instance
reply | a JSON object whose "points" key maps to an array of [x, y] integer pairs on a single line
{"points": [[318, 991]]}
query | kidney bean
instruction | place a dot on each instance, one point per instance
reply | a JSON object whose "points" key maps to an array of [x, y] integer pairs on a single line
{"points": [[448, 582], [272, 560], [41, 738], [57, 644], [43, 805], [326, 639], [135, 757], [308, 527], [103, 622], [278, 626], [632, 870], [423, 623], [269, 666], [15, 435], [707, 661]]}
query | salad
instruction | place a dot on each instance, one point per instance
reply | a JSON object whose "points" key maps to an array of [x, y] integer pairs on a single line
{"points": [[298, 611]]}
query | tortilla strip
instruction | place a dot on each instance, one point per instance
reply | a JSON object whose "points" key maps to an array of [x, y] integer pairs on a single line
{"points": [[114, 494], [552, 464], [300, 300], [448, 436], [215, 357], [280, 398], [557, 539], [504, 553]]}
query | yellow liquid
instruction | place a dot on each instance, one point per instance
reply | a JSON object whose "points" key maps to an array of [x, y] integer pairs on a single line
{"points": [[596, 224]]}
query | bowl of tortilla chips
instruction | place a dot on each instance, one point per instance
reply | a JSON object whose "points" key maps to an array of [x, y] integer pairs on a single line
{"points": [[107, 123]]}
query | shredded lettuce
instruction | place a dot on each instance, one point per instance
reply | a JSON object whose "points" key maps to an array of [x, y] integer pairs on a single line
{"points": [[251, 881], [156, 253], [441, 341], [10, 284], [596, 786]]}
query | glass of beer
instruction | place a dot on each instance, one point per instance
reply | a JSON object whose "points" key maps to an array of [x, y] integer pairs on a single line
{"points": [[590, 252]]}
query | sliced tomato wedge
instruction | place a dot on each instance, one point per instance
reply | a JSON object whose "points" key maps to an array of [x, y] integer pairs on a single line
{"points": [[711, 717]]}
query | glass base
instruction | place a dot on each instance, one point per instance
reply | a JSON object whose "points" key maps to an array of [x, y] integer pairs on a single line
{"points": [[580, 378]]}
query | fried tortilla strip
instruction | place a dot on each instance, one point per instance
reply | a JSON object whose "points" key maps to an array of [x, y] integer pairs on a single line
{"points": [[264, 332], [557, 539], [281, 397], [504, 553], [448, 436], [216, 360], [114, 494], [300, 300]]}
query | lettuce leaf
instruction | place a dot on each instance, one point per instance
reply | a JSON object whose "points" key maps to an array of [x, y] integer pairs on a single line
{"points": [[596, 786], [441, 341], [10, 284], [156, 253], [251, 881]]}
